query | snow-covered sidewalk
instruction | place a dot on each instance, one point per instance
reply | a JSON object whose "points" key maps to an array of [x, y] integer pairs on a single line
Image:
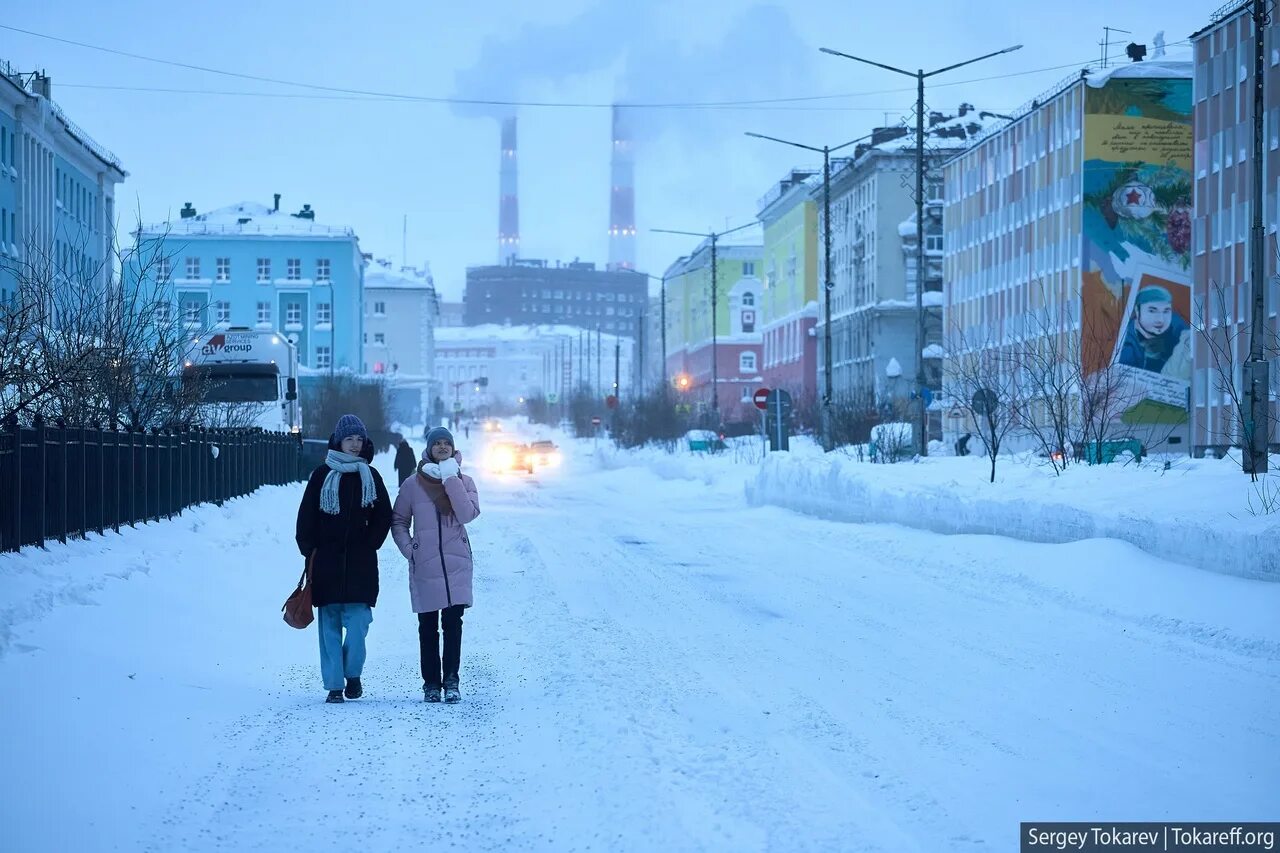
{"points": [[651, 664], [1200, 512]]}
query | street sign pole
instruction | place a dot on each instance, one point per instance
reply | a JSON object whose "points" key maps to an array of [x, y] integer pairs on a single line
{"points": [[760, 399]]}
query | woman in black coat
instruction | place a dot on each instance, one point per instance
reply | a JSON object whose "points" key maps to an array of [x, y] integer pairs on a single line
{"points": [[406, 461], [343, 520]]}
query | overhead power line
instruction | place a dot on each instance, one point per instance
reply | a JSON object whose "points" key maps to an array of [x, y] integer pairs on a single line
{"points": [[491, 102]]}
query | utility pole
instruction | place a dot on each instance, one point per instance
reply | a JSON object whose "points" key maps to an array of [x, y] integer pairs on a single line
{"points": [[617, 365], [640, 358], [663, 306], [715, 371], [599, 375], [1255, 374], [922, 424], [714, 237], [828, 285]]}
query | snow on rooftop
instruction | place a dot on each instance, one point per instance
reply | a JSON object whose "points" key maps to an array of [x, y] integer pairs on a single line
{"points": [[1164, 68], [496, 332], [248, 218], [382, 274], [933, 351], [907, 227]]}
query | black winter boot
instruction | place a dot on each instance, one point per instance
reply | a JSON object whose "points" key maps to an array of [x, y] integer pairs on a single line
{"points": [[451, 693], [354, 689], [335, 697], [431, 692]]}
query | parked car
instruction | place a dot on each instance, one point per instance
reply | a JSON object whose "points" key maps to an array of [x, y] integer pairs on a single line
{"points": [[704, 439]]}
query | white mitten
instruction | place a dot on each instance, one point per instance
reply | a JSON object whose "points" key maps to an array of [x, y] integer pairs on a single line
{"points": [[449, 468]]}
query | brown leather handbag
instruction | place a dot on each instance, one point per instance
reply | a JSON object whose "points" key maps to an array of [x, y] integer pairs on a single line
{"points": [[297, 607]]}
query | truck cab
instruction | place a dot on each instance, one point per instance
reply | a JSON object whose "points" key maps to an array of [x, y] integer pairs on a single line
{"points": [[245, 378]]}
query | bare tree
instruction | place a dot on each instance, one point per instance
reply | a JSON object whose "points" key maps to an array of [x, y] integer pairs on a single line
{"points": [[1226, 342], [987, 382], [149, 339], [49, 335], [1047, 357]]}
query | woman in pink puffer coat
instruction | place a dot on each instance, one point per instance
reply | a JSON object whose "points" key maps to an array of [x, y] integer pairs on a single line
{"points": [[427, 525]]}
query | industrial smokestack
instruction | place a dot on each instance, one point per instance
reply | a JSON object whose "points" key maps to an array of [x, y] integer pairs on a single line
{"points": [[508, 200], [622, 198]]}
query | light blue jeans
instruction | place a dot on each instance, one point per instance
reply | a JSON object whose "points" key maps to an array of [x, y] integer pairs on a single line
{"points": [[341, 658]]}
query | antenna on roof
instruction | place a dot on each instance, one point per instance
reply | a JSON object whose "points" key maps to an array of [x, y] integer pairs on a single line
{"points": [[1106, 41]]}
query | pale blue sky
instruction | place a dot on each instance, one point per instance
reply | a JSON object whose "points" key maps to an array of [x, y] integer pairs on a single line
{"points": [[367, 163]]}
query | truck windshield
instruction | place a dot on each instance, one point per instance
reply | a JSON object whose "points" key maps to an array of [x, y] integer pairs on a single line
{"points": [[232, 385]]}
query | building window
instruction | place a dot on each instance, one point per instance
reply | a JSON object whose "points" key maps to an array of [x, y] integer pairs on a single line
{"points": [[748, 299], [223, 269], [222, 312], [933, 242], [264, 313], [747, 362], [324, 313], [191, 311], [323, 271], [379, 309], [323, 356], [264, 270], [193, 267], [748, 267], [293, 269], [379, 339], [164, 270], [293, 314], [163, 313]]}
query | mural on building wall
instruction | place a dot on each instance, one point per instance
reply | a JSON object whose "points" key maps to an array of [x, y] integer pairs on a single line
{"points": [[1137, 212]]}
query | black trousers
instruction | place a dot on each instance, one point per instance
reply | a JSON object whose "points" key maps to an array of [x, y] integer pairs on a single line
{"points": [[429, 643]]}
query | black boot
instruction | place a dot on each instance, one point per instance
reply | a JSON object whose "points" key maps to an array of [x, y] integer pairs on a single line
{"points": [[335, 697], [431, 692], [354, 690], [451, 693]]}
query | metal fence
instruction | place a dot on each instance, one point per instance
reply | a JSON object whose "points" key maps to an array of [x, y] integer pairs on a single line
{"points": [[61, 482]]}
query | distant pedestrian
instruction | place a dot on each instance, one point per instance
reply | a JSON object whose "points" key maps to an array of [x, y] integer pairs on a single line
{"points": [[428, 526], [962, 446], [342, 522], [466, 430], [406, 461]]}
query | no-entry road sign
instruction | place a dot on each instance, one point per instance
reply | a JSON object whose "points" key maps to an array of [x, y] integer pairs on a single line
{"points": [[761, 398]]}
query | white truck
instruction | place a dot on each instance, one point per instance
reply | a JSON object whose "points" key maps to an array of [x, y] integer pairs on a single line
{"points": [[246, 378]]}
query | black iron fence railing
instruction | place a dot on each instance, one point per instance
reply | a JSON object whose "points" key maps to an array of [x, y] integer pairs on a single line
{"points": [[62, 482]]}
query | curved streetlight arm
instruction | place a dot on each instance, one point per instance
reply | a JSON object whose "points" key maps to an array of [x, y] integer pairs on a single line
{"points": [[976, 59], [784, 141], [919, 73], [823, 151], [869, 62]]}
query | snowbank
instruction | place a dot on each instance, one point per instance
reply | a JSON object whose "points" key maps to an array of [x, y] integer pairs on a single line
{"points": [[1197, 513]]}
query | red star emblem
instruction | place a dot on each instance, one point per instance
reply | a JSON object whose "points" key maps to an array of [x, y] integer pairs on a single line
{"points": [[1133, 197]]}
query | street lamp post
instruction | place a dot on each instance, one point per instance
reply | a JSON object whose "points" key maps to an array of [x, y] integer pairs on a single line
{"points": [[714, 236], [922, 440], [828, 285]]}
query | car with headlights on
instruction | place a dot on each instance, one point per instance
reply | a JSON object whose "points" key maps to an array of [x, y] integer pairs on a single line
{"points": [[506, 456]]}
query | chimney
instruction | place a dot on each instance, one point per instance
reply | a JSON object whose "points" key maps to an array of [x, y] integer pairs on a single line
{"points": [[187, 211], [508, 198], [276, 209], [41, 85], [622, 197]]}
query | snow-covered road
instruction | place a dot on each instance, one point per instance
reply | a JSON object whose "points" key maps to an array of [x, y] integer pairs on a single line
{"points": [[649, 665]]}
